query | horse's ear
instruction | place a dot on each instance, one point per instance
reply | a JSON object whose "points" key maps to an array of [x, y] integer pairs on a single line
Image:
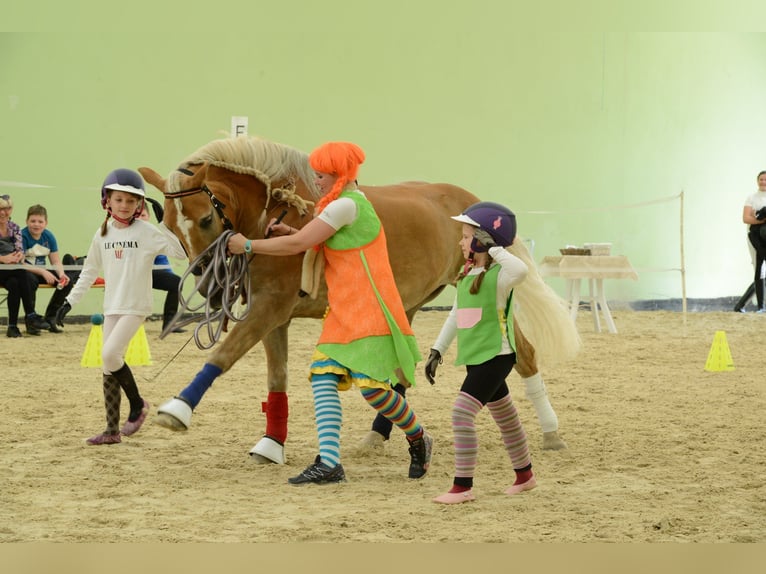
{"points": [[153, 178]]}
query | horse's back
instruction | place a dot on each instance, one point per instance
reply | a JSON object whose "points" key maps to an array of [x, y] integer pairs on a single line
{"points": [[420, 208], [422, 239]]}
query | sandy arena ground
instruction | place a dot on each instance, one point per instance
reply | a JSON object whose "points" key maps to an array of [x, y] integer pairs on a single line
{"points": [[659, 449]]}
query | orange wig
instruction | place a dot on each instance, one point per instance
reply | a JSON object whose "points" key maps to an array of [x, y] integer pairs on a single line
{"points": [[341, 159]]}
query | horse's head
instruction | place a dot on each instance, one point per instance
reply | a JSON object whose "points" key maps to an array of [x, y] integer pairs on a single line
{"points": [[237, 184], [192, 212]]}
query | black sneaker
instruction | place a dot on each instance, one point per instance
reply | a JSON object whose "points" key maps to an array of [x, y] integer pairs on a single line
{"points": [[319, 473], [13, 332], [420, 455]]}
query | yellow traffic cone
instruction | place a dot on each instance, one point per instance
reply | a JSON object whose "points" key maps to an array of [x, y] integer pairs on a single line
{"points": [[138, 349], [92, 355], [719, 358]]}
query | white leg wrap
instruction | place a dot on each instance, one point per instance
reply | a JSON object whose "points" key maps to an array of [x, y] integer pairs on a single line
{"points": [[268, 450], [538, 396], [179, 410]]}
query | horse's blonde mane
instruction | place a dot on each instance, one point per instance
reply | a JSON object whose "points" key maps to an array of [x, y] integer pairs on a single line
{"points": [[263, 159]]}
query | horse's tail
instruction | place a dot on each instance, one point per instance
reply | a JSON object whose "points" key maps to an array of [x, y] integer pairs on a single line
{"points": [[542, 315]]}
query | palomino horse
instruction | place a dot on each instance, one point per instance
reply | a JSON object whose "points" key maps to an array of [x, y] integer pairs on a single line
{"points": [[241, 183]]}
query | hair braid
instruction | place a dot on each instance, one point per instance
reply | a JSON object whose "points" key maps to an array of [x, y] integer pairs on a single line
{"points": [[479, 279], [103, 225]]}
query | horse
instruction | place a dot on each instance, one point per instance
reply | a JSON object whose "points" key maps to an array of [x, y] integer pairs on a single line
{"points": [[241, 183]]}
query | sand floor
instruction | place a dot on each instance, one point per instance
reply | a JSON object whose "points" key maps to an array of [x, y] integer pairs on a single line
{"points": [[659, 449]]}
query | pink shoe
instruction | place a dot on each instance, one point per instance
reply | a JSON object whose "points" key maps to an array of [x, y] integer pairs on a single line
{"points": [[517, 488], [455, 497], [104, 438], [131, 427]]}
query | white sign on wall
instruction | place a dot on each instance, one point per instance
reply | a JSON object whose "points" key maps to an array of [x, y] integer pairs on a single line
{"points": [[238, 126]]}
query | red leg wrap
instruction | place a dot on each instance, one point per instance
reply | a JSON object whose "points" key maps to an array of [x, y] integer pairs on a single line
{"points": [[276, 416]]}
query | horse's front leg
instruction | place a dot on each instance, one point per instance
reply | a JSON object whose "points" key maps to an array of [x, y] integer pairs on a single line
{"points": [[271, 447], [526, 366], [176, 413]]}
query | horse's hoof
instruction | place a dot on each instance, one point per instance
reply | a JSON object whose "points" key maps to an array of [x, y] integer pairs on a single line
{"points": [[174, 415], [552, 441], [372, 443], [268, 451]]}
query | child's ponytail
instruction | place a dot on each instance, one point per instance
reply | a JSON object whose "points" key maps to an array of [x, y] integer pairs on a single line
{"points": [[103, 225]]}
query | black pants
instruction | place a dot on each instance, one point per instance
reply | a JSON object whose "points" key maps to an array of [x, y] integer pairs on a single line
{"points": [[17, 282], [59, 295], [757, 237], [486, 382], [164, 280]]}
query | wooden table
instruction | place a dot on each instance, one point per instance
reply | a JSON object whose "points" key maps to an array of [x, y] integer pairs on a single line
{"points": [[594, 268]]}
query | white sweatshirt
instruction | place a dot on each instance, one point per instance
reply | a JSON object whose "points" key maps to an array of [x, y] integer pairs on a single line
{"points": [[126, 256]]}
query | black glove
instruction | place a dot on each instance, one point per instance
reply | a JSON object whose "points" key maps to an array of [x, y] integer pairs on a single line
{"points": [[761, 213], [61, 313], [434, 360], [483, 237]]}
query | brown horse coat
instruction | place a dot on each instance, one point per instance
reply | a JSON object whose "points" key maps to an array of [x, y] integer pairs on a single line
{"points": [[422, 239]]}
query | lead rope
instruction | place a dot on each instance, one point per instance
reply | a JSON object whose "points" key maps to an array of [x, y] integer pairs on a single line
{"points": [[226, 275]]}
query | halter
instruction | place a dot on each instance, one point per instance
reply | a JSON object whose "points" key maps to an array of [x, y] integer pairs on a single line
{"points": [[217, 203]]}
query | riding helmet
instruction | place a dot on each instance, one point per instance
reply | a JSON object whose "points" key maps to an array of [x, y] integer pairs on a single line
{"points": [[122, 180], [495, 219]]}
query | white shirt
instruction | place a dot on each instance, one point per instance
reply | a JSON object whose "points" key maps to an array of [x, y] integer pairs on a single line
{"points": [[756, 200], [340, 212], [126, 256]]}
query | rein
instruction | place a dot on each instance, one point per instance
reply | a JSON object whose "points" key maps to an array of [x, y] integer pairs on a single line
{"points": [[219, 272], [226, 275]]}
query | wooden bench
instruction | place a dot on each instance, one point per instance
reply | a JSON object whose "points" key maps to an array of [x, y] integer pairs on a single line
{"points": [[4, 295]]}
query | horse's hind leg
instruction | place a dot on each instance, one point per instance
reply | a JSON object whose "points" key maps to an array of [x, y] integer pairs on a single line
{"points": [[271, 447], [526, 366]]}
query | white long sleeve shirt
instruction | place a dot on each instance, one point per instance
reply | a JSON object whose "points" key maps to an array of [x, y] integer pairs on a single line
{"points": [[126, 256], [512, 272]]}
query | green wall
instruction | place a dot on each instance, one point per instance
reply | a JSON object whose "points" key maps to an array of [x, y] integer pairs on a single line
{"points": [[572, 128]]}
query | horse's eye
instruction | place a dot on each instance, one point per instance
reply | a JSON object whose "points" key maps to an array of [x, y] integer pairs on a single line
{"points": [[206, 221]]}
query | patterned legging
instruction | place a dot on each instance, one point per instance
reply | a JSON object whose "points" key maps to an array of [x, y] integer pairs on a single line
{"points": [[485, 384], [329, 414]]}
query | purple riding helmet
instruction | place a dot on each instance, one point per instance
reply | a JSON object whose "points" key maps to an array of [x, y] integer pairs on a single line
{"points": [[495, 219], [125, 180]]}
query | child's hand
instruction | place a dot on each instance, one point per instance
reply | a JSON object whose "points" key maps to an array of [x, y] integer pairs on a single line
{"points": [[484, 238], [434, 360]]}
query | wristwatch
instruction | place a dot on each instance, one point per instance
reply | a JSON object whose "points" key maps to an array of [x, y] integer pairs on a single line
{"points": [[248, 246]]}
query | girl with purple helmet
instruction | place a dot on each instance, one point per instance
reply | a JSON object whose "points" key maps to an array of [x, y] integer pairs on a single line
{"points": [[482, 320]]}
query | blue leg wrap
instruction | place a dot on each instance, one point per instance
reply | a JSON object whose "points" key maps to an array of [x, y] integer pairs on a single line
{"points": [[201, 383]]}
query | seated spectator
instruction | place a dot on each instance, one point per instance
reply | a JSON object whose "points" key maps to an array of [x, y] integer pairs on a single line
{"points": [[39, 243], [163, 279], [16, 281]]}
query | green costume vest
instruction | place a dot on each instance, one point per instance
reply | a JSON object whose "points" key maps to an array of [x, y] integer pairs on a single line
{"points": [[480, 324]]}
